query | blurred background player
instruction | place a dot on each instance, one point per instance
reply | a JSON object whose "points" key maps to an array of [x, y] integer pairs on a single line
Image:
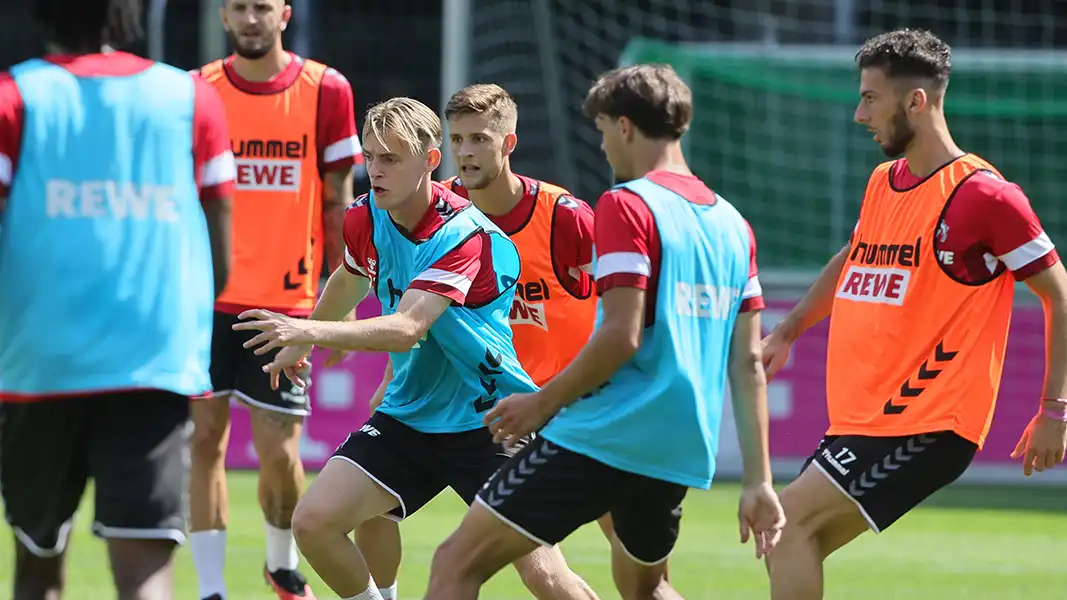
{"points": [[554, 308], [125, 240], [445, 277], [920, 301], [675, 268], [294, 135]]}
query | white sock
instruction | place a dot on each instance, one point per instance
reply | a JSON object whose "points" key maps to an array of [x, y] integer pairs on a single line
{"points": [[209, 558], [388, 593], [371, 593], [281, 549]]}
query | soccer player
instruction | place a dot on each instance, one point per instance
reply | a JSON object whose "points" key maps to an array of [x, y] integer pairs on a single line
{"points": [[679, 311], [293, 128], [919, 304], [445, 276], [554, 308], [115, 184]]}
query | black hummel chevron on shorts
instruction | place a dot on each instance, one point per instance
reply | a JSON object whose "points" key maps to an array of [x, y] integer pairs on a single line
{"points": [[888, 476], [546, 492]]}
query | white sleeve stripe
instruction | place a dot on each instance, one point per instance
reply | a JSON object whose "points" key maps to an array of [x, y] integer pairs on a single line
{"points": [[460, 283], [219, 170], [341, 150], [1028, 252], [753, 289], [5, 170], [351, 262], [633, 263]]}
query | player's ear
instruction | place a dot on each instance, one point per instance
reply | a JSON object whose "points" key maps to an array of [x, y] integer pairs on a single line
{"points": [[626, 128], [918, 99], [510, 141], [287, 13], [222, 17], [433, 159]]}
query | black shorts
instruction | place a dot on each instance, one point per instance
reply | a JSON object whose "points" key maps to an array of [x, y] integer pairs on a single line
{"points": [[415, 467], [888, 476], [546, 492], [131, 444], [237, 370]]}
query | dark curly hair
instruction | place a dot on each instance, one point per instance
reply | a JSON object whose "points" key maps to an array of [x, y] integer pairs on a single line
{"points": [[908, 53], [86, 25]]}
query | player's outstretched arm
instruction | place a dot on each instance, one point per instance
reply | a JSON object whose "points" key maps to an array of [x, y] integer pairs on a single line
{"points": [[815, 305], [759, 512], [398, 332], [343, 292], [1044, 441]]}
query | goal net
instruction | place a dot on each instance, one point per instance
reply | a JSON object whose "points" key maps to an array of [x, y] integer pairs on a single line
{"points": [[775, 88]]}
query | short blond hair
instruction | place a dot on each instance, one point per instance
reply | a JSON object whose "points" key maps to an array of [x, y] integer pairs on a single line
{"points": [[417, 127], [485, 99]]}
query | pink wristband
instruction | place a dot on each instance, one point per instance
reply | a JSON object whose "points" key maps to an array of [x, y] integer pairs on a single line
{"points": [[1055, 415]]}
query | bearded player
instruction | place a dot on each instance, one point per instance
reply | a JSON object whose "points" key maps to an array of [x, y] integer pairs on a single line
{"points": [[919, 301], [294, 136], [554, 308]]}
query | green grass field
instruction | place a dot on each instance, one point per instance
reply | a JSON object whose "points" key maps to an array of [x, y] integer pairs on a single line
{"points": [[987, 543]]}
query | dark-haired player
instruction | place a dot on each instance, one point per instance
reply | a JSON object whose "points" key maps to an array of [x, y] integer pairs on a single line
{"points": [[919, 304], [115, 179], [679, 312]]}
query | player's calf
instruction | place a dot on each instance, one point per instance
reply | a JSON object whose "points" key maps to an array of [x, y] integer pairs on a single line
{"points": [[547, 576], [482, 546]]}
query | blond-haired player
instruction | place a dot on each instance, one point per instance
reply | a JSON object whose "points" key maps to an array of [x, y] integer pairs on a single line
{"points": [[445, 276], [554, 309]]}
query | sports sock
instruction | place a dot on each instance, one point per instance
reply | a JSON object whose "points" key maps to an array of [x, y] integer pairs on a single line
{"points": [[209, 558], [371, 593], [281, 549], [388, 593]]}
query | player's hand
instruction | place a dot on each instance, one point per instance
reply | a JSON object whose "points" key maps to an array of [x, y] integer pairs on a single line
{"points": [[775, 352], [517, 416], [334, 358], [760, 515], [1042, 445], [293, 362], [276, 330]]}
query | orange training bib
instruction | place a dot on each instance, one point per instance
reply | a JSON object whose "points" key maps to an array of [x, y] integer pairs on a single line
{"points": [[911, 350], [277, 210]]}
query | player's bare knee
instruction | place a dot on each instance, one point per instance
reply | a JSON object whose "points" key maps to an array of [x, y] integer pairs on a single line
{"points": [[36, 576], [538, 574], [207, 444]]}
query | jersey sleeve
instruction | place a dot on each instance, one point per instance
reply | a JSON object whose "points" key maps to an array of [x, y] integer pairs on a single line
{"points": [[453, 275], [359, 239], [624, 230], [212, 151], [1011, 229], [11, 113], [339, 147], [572, 244], [752, 295]]}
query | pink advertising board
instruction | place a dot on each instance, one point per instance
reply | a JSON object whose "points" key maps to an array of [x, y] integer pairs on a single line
{"points": [[797, 396]]}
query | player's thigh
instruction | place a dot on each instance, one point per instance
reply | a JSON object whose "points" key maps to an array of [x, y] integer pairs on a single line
{"points": [[886, 477], [137, 458], [253, 385], [398, 459], [43, 469], [226, 352], [546, 492], [647, 519]]}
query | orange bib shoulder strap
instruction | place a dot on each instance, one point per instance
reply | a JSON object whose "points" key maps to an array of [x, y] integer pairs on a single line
{"points": [[313, 72], [213, 71]]}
